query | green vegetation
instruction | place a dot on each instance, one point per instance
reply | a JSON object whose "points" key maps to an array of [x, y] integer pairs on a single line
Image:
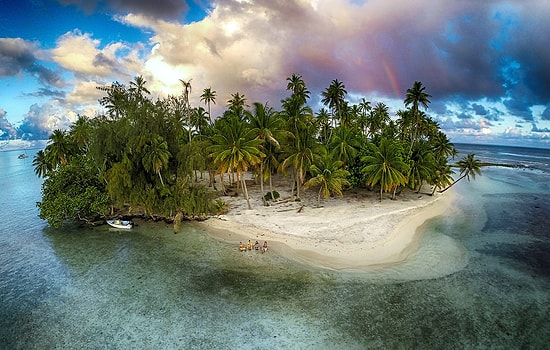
{"points": [[147, 157]]}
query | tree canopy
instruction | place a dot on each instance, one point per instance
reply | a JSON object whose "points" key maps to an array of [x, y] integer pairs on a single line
{"points": [[142, 156]]}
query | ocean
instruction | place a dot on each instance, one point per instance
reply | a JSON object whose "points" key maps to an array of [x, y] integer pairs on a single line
{"points": [[102, 288]]}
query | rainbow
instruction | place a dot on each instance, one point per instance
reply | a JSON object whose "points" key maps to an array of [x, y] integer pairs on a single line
{"points": [[390, 73]]}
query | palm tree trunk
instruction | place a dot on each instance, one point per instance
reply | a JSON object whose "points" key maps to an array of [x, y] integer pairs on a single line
{"points": [[211, 179], [293, 182], [160, 176], [298, 181], [380, 193], [262, 183], [245, 191], [221, 183], [271, 186], [451, 185], [262, 178]]}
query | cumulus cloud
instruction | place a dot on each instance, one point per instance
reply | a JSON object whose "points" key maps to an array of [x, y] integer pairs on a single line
{"points": [[42, 119], [81, 54], [535, 128], [18, 55], [7, 131]]}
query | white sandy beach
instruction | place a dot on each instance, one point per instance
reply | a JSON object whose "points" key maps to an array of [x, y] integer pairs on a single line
{"points": [[353, 232]]}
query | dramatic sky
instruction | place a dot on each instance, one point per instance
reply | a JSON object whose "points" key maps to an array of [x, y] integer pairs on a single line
{"points": [[486, 63]]}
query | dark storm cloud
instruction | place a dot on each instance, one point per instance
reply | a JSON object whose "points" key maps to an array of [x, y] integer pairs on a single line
{"points": [[100, 60], [43, 92], [531, 51], [519, 107], [464, 116], [165, 9], [471, 49], [479, 109], [17, 55], [45, 76]]}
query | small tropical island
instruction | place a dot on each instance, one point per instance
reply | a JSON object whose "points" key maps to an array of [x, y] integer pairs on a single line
{"points": [[166, 160]]}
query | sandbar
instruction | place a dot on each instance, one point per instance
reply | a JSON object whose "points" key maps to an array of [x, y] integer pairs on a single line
{"points": [[354, 232]]}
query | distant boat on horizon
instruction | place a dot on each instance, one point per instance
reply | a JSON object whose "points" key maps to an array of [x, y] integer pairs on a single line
{"points": [[22, 156]]}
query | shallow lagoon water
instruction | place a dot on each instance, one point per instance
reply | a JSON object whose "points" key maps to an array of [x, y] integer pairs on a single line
{"points": [[100, 288]]}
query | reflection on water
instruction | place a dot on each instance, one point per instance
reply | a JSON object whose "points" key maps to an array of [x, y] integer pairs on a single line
{"points": [[150, 289]]}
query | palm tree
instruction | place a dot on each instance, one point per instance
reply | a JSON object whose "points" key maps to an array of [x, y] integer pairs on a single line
{"points": [[186, 105], [186, 84], [271, 163], [234, 148], [422, 166], [405, 124], [442, 176], [362, 122], [41, 164], [156, 156], [199, 119], [301, 154], [441, 146], [344, 144], [352, 116], [298, 87], [323, 125], [417, 96], [378, 118], [333, 97], [267, 127], [296, 114], [59, 149], [80, 132], [328, 174], [208, 96], [385, 167], [137, 88], [116, 100], [236, 104], [469, 166]]}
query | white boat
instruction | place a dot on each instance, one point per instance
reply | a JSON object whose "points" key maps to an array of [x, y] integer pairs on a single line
{"points": [[116, 223]]}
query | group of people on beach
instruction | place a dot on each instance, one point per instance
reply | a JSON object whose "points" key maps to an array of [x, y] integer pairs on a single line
{"points": [[256, 246]]}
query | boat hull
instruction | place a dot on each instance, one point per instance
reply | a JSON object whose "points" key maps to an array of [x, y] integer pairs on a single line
{"points": [[122, 224]]}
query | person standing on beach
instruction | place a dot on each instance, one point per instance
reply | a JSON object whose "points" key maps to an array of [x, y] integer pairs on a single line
{"points": [[264, 248], [249, 245]]}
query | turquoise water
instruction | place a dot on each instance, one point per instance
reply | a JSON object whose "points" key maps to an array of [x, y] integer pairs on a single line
{"points": [[100, 288]]}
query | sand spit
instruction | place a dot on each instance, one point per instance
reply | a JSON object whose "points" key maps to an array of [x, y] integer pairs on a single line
{"points": [[349, 233]]}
